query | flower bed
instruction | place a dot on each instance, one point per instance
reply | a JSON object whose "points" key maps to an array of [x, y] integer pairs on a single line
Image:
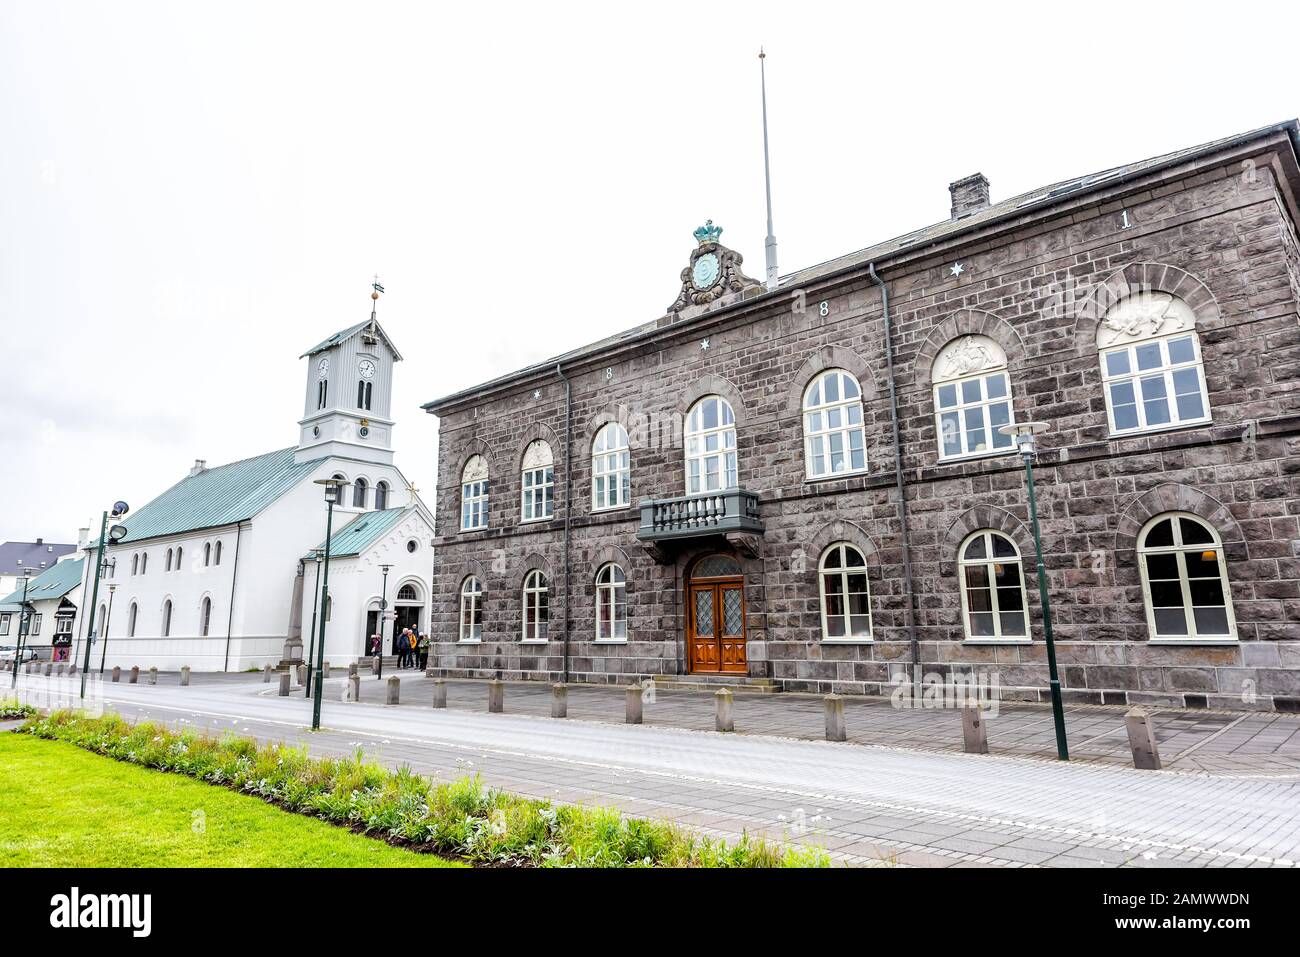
{"points": [[460, 819]]}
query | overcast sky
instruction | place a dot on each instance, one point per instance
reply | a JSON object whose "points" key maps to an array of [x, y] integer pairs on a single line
{"points": [[191, 194]]}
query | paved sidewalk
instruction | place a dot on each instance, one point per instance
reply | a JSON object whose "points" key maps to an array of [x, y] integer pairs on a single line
{"points": [[1219, 742]]}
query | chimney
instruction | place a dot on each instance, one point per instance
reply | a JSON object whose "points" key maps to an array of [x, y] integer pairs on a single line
{"points": [[83, 536], [40, 541], [969, 195], [200, 465]]}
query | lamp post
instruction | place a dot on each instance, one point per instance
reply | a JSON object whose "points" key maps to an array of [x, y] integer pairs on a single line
{"points": [[333, 490], [23, 614], [117, 533], [383, 614], [1024, 434], [108, 617], [315, 597]]}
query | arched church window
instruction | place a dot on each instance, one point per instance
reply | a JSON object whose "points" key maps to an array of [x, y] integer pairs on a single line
{"points": [[381, 496], [359, 490]]}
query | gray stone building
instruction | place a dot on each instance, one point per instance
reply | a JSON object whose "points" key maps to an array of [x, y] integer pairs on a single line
{"points": [[808, 486]]}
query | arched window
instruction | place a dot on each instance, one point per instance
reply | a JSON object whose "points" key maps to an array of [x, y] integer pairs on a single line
{"points": [[216, 553], [471, 610], [103, 619], [834, 440], [992, 587], [359, 489], [205, 617], [474, 494], [407, 593], [845, 594], [611, 603], [144, 562], [710, 446], [365, 391], [179, 551], [131, 615], [536, 607], [322, 392], [207, 554], [972, 398], [167, 618], [1185, 580], [537, 484], [381, 496], [611, 468], [1151, 364], [167, 566]]}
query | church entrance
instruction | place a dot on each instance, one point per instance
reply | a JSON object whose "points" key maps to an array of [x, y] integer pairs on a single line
{"points": [[715, 617]]}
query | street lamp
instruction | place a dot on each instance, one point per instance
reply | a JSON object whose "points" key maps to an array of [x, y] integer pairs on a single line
{"points": [[383, 614], [315, 597], [333, 491], [1024, 434], [23, 615], [116, 533], [108, 617]]}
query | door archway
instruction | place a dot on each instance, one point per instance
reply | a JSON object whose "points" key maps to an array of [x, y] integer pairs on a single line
{"points": [[715, 617]]}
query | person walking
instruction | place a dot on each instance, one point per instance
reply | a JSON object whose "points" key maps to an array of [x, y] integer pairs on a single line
{"points": [[422, 651]]}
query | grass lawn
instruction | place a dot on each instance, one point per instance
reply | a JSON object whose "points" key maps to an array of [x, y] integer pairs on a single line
{"points": [[61, 806]]}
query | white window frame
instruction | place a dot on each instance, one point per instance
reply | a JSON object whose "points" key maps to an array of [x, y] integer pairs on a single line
{"points": [[611, 595], [843, 573], [5, 621], [537, 483], [989, 562], [471, 592], [34, 624], [474, 492], [611, 465], [1184, 580], [972, 360], [62, 626], [846, 406], [536, 592], [1166, 370], [698, 436]]}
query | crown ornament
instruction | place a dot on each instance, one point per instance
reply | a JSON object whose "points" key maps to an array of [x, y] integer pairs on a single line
{"points": [[708, 233]]}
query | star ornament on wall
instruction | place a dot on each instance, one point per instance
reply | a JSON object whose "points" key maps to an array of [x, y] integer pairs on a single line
{"points": [[705, 345], [956, 269]]}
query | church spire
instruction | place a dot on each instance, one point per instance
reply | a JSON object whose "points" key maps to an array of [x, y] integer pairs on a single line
{"points": [[374, 298]]}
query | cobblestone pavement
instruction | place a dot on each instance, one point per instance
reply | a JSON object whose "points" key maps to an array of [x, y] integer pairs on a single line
{"points": [[868, 801]]}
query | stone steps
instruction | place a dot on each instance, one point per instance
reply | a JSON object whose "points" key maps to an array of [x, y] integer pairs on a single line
{"points": [[741, 684]]}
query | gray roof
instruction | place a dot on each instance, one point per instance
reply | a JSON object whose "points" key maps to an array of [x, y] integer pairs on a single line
{"points": [[15, 556], [343, 335], [218, 496], [1034, 200]]}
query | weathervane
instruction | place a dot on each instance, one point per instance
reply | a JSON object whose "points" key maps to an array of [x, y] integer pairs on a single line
{"points": [[374, 296]]}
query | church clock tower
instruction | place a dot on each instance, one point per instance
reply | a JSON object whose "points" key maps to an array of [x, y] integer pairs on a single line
{"points": [[349, 394]]}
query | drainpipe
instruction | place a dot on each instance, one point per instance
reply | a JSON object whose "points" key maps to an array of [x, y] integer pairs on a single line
{"points": [[568, 503], [898, 481], [234, 578]]}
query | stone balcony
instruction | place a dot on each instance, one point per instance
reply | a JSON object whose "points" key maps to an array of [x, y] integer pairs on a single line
{"points": [[732, 514]]}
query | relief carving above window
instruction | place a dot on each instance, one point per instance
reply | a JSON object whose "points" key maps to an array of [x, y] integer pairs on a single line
{"points": [[1143, 316]]}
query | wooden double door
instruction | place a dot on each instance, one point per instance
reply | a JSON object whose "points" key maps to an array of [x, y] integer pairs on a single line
{"points": [[715, 626]]}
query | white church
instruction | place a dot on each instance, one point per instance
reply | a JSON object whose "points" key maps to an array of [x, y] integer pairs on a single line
{"points": [[220, 571]]}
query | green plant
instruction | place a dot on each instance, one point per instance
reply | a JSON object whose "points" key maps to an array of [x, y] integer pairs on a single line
{"points": [[460, 818], [11, 709]]}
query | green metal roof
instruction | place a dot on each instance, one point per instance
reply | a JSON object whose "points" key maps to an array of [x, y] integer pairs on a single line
{"points": [[360, 533], [344, 334], [55, 582], [218, 496]]}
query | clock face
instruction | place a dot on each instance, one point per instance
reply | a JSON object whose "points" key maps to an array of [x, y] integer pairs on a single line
{"points": [[323, 367], [366, 368], [705, 272]]}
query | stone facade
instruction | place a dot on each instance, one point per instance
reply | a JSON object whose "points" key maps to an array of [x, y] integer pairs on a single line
{"points": [[1215, 227]]}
